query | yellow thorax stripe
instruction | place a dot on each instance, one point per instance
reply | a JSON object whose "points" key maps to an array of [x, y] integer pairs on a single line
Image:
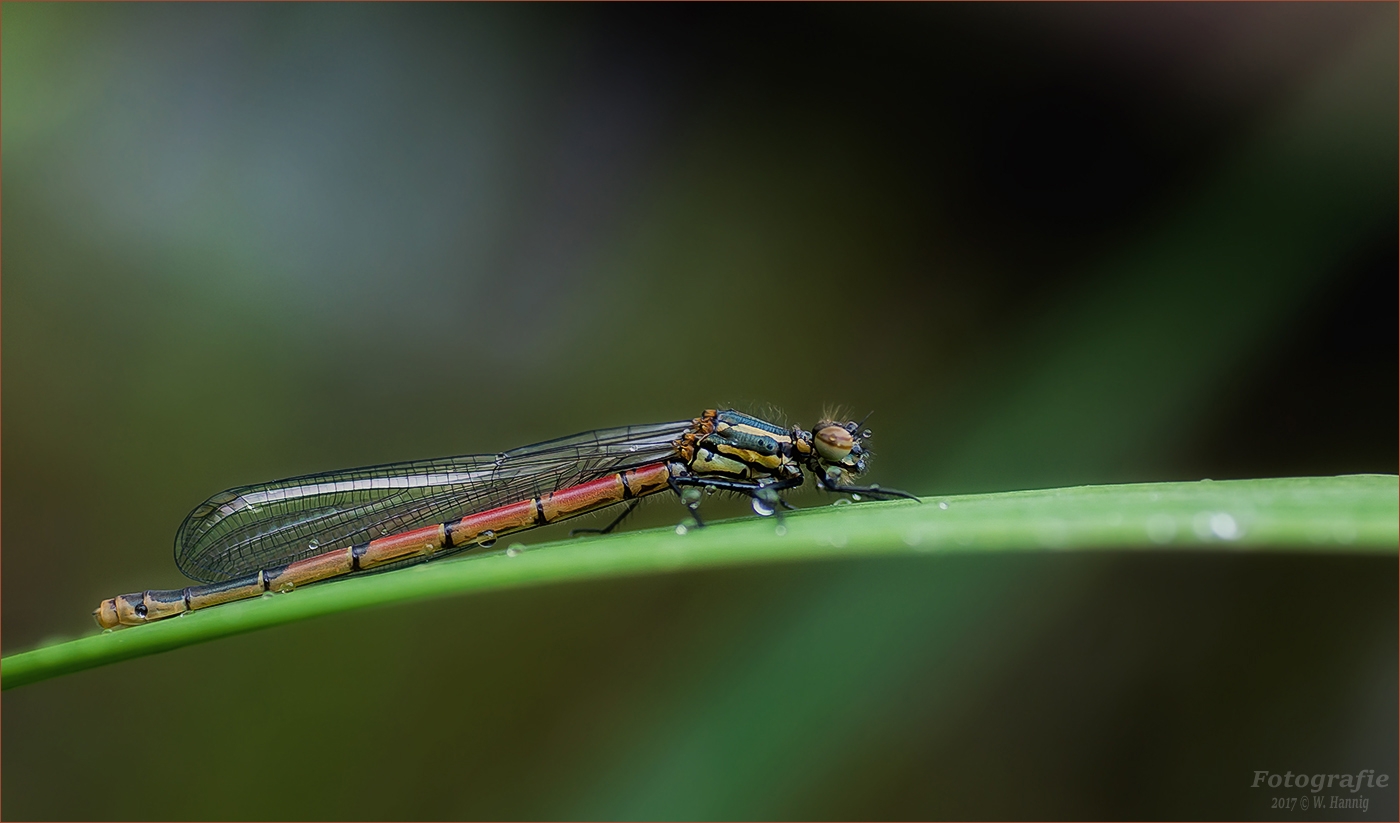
{"points": [[769, 461]]}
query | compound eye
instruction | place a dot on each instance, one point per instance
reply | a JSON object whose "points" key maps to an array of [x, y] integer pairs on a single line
{"points": [[833, 443]]}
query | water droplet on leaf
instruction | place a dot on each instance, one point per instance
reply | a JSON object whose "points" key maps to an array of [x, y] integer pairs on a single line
{"points": [[1223, 526]]}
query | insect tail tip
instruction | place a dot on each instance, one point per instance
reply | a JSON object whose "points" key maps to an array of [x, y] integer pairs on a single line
{"points": [[106, 614]]}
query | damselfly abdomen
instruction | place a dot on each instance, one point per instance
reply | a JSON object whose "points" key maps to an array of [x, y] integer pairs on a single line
{"points": [[273, 537]]}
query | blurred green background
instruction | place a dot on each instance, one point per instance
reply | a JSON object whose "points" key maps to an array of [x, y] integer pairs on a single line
{"points": [[1048, 244]]}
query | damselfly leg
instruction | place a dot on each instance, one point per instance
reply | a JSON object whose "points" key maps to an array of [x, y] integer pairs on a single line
{"points": [[870, 491], [689, 497], [764, 493], [617, 521]]}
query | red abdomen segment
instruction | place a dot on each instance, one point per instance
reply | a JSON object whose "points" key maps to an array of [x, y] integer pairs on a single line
{"points": [[478, 528]]}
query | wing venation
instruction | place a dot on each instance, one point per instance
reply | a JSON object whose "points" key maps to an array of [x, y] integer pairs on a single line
{"points": [[242, 530]]}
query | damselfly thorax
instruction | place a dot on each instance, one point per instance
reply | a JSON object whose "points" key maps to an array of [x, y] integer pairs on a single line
{"points": [[273, 537]]}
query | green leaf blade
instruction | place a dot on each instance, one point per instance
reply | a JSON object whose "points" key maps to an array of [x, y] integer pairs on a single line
{"points": [[1351, 514]]}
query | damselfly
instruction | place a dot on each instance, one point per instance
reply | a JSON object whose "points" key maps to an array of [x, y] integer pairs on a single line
{"points": [[273, 537]]}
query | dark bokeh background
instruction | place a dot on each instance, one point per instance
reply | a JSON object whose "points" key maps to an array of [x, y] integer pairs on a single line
{"points": [[1049, 244]]}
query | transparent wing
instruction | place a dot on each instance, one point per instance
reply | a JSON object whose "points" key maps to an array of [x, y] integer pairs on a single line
{"points": [[248, 528]]}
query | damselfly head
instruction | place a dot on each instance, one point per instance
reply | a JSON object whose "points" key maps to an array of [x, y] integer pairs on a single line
{"points": [[838, 448], [833, 442]]}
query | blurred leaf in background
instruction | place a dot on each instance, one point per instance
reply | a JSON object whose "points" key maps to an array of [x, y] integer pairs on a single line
{"points": [[1048, 244]]}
